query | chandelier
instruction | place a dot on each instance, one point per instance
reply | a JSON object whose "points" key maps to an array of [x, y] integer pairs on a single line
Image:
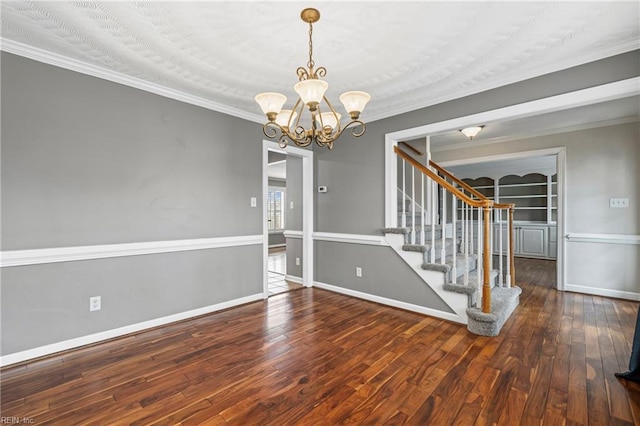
{"points": [[325, 126]]}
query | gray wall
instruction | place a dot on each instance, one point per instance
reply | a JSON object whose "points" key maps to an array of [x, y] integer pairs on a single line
{"points": [[384, 273], [354, 169], [87, 162], [602, 163], [293, 217]]}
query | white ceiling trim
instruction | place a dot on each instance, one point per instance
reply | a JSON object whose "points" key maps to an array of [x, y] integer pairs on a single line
{"points": [[602, 93], [61, 61]]}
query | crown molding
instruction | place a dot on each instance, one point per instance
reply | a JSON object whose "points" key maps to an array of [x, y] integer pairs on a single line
{"points": [[61, 61]]}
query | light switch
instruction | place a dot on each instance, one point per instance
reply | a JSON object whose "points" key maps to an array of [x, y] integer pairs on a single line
{"points": [[254, 202], [291, 205]]}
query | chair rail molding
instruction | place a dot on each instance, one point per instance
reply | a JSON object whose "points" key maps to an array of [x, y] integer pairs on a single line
{"points": [[371, 240], [71, 254], [603, 238]]}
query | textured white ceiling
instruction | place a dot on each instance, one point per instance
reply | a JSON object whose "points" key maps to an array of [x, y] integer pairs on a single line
{"points": [[406, 54]]}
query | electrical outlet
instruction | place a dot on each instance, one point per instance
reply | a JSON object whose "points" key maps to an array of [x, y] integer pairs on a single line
{"points": [[95, 303], [358, 272], [297, 261], [618, 203]]}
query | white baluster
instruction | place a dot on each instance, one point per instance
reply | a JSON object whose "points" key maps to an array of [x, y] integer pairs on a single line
{"points": [[509, 236], [404, 196], [423, 215], [432, 251], [465, 232], [500, 277], [454, 218], [443, 224], [413, 206]]}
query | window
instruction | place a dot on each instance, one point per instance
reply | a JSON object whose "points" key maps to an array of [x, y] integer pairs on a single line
{"points": [[275, 208]]}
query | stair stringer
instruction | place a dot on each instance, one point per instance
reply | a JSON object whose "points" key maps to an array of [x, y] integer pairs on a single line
{"points": [[434, 279]]}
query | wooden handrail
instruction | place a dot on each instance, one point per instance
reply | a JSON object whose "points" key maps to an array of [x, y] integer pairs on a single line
{"points": [[411, 148], [446, 185], [486, 205], [457, 180]]}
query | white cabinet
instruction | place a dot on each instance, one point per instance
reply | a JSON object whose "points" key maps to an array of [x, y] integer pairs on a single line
{"points": [[534, 241], [530, 240]]}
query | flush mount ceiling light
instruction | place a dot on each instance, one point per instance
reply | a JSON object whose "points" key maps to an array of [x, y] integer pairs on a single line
{"points": [[471, 132], [324, 127]]}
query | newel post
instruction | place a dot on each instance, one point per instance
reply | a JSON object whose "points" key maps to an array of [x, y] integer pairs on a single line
{"points": [[486, 287]]}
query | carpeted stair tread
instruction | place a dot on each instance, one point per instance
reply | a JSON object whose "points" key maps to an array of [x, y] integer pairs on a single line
{"points": [[473, 278], [503, 301], [438, 267], [448, 265]]}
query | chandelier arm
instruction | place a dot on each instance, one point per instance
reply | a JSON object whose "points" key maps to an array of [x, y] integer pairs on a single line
{"points": [[358, 128], [335, 114], [270, 129], [300, 138], [298, 104], [320, 72], [302, 74], [357, 131]]}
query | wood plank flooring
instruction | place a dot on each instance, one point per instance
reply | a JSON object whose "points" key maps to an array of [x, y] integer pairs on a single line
{"points": [[312, 357]]}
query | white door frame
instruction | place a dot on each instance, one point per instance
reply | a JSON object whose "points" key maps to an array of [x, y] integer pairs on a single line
{"points": [[307, 211], [605, 92]]}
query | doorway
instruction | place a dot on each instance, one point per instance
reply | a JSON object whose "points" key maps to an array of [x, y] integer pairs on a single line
{"points": [[287, 218]]}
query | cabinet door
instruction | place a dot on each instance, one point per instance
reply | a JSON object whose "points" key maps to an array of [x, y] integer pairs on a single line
{"points": [[533, 241], [505, 240]]}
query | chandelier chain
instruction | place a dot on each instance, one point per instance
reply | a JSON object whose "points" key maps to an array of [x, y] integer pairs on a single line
{"points": [[310, 64]]}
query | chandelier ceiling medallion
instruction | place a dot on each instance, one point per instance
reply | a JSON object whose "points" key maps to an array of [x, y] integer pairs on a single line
{"points": [[325, 126]]}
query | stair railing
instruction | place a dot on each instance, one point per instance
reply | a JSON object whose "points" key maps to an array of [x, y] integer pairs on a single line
{"points": [[468, 204], [504, 279]]}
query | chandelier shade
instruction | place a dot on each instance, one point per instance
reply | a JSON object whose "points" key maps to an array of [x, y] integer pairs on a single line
{"points": [[285, 116], [271, 103], [311, 91], [354, 102], [328, 120], [323, 125]]}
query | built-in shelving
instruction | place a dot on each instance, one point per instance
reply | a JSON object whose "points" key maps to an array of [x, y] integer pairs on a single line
{"points": [[534, 195]]}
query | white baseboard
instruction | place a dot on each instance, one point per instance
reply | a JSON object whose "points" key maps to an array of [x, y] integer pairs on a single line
{"points": [[293, 279], [118, 332], [391, 302], [617, 294]]}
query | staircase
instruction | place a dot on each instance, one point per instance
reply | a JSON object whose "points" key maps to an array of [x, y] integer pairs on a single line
{"points": [[451, 249]]}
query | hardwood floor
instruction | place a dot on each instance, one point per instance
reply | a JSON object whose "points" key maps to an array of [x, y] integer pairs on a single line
{"points": [[312, 357]]}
